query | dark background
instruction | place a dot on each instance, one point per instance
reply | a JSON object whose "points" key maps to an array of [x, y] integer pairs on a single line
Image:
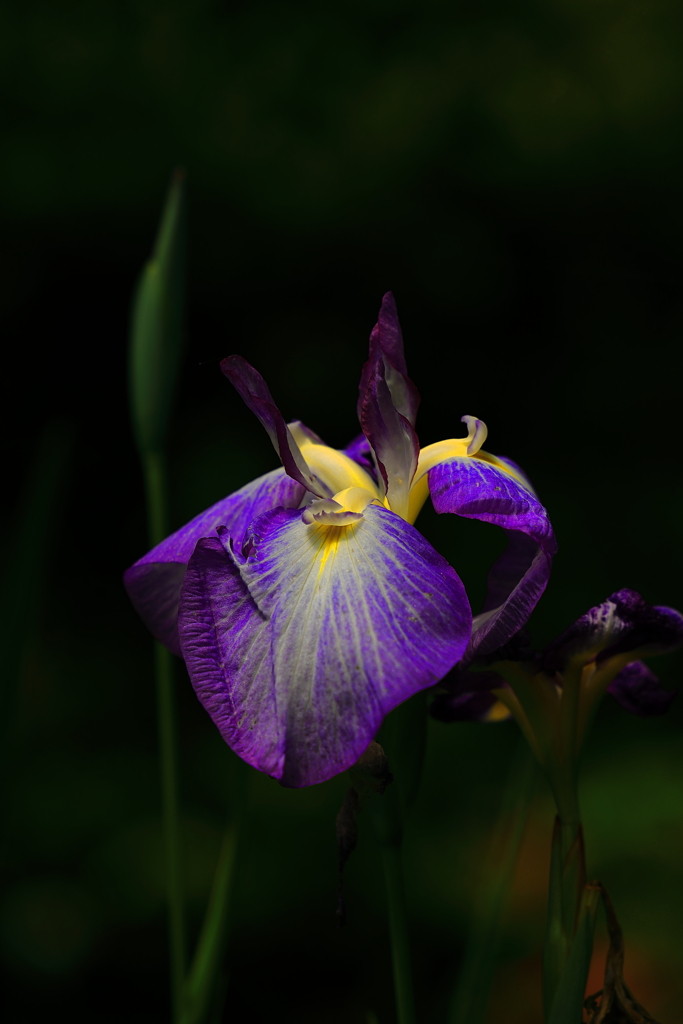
{"points": [[512, 172]]}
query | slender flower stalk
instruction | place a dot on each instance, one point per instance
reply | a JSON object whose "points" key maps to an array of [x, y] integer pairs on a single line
{"points": [[156, 490], [155, 345], [202, 976], [388, 824], [403, 739], [168, 763]]}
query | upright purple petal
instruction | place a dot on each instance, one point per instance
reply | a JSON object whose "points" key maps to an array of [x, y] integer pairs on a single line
{"points": [[257, 397], [476, 489], [155, 581], [359, 617], [386, 347], [638, 691], [387, 334], [393, 440], [623, 623]]}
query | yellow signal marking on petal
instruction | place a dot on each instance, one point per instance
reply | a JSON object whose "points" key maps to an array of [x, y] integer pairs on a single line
{"points": [[329, 546]]}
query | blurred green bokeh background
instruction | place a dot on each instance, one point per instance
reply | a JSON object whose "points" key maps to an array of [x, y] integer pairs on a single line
{"points": [[513, 173]]}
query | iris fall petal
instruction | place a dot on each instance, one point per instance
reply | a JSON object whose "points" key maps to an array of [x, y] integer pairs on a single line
{"points": [[477, 489], [154, 582], [359, 618]]}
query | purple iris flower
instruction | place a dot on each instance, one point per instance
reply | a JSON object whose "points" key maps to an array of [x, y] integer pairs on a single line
{"points": [[605, 645], [307, 606]]}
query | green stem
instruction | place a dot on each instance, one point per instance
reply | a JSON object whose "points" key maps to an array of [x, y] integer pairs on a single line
{"points": [[386, 810], [171, 823], [398, 928], [201, 981], [155, 485], [154, 469], [565, 893]]}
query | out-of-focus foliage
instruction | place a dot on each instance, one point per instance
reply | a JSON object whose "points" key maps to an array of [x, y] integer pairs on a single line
{"points": [[513, 173], [310, 111]]}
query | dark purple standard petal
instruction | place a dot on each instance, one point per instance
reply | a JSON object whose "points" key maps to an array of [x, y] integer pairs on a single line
{"points": [[387, 408], [639, 691], [386, 345], [624, 622], [359, 618], [257, 397], [392, 438], [476, 489], [154, 582]]}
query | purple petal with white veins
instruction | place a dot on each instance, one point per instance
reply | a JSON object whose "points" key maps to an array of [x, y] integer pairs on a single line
{"points": [[623, 623], [519, 471], [639, 691], [476, 489], [154, 582], [360, 618], [226, 644], [257, 397]]}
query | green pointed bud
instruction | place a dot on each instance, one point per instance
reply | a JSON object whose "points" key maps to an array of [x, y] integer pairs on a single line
{"points": [[157, 325]]}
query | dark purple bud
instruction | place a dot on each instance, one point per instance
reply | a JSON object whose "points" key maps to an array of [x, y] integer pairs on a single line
{"points": [[624, 622], [639, 691]]}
